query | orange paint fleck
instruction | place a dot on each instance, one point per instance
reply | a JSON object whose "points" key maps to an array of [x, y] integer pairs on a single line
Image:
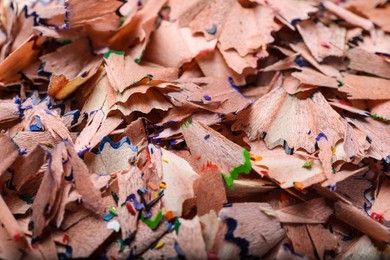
{"points": [[169, 216], [152, 185], [208, 166], [148, 155], [298, 185], [256, 157]]}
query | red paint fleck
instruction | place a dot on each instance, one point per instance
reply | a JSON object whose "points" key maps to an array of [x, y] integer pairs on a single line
{"points": [[377, 217], [198, 157], [325, 44], [212, 256], [205, 51], [130, 208], [18, 236], [304, 191], [275, 9], [284, 197], [264, 172], [344, 102], [65, 238]]}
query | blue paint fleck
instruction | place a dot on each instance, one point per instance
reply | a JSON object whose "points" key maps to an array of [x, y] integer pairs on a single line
{"points": [[295, 21], [137, 205], [83, 151], [213, 29], [231, 83], [170, 226], [321, 135], [70, 176], [179, 251], [147, 214], [47, 111], [142, 191], [116, 145], [76, 115], [207, 97], [298, 60], [37, 126], [23, 151], [241, 242], [108, 217]]}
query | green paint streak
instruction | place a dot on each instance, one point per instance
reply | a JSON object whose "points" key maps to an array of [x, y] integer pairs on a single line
{"points": [[187, 123], [340, 83], [121, 245], [246, 167], [307, 164], [138, 60], [152, 223], [378, 117], [65, 41], [49, 145], [107, 55], [150, 77], [113, 211], [177, 226], [370, 75], [296, 93], [26, 198], [124, 18]]}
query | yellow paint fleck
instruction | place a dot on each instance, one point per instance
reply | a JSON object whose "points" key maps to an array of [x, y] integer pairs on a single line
{"points": [[256, 157], [159, 245]]}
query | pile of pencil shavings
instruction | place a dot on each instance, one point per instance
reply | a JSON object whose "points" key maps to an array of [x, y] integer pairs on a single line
{"points": [[195, 129]]}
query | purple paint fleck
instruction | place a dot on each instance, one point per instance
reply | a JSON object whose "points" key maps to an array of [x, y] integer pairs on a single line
{"points": [[321, 135]]}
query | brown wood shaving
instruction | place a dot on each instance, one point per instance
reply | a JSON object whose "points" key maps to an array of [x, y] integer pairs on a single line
{"points": [[220, 129]]}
